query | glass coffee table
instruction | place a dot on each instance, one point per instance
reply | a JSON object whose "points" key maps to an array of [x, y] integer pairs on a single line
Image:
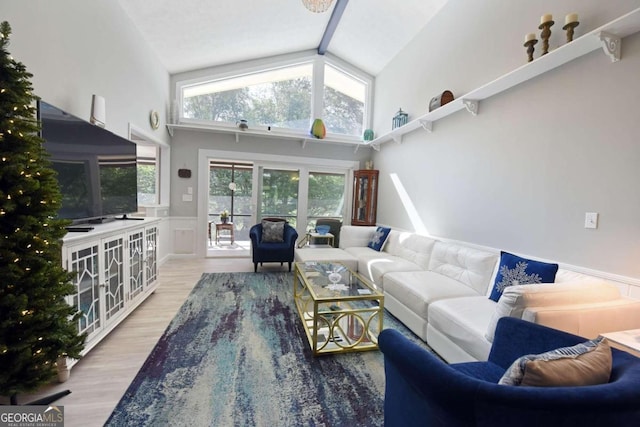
{"points": [[341, 311]]}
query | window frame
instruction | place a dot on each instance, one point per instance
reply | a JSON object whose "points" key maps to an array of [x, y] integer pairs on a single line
{"points": [[268, 64], [162, 161]]}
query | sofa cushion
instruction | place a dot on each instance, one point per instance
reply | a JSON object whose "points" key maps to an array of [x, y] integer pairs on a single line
{"points": [[470, 266], [372, 265], [378, 268], [463, 321], [418, 289], [515, 299], [365, 252], [573, 276], [514, 270], [587, 363], [354, 236], [410, 246], [379, 238]]}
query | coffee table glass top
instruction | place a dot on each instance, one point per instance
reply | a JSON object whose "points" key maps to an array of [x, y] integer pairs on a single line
{"points": [[333, 281]]}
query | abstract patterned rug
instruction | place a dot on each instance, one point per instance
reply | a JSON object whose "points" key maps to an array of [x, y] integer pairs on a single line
{"points": [[236, 355]]}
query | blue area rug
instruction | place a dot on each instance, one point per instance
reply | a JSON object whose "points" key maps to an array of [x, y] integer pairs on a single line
{"points": [[236, 354]]}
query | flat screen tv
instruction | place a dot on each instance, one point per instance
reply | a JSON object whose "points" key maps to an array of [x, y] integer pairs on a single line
{"points": [[97, 169]]}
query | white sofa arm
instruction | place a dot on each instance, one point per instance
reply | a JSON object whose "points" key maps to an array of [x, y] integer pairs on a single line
{"points": [[355, 236], [516, 299], [588, 320]]}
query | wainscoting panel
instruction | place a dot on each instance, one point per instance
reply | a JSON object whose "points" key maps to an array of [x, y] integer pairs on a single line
{"points": [[184, 241]]}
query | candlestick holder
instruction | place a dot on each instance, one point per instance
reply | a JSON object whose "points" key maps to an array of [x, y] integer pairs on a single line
{"points": [[529, 45], [569, 29], [545, 34]]}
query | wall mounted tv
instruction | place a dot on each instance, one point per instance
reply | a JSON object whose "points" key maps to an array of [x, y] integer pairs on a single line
{"points": [[97, 169]]}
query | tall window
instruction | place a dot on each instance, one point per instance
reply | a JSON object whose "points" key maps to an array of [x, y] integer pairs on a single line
{"points": [[148, 177], [278, 98], [280, 194], [230, 189], [284, 95], [326, 196], [344, 100]]}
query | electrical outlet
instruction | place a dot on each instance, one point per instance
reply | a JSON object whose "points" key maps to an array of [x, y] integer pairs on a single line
{"points": [[591, 220]]}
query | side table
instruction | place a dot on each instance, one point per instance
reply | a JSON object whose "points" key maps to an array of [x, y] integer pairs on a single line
{"points": [[228, 226], [329, 239]]}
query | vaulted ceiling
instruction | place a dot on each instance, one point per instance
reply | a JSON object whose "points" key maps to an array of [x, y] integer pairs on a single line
{"points": [[193, 34]]}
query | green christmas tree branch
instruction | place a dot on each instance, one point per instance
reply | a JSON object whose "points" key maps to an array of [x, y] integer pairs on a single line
{"points": [[37, 325]]}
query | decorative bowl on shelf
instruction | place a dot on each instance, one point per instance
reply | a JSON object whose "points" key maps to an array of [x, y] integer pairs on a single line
{"points": [[322, 229]]}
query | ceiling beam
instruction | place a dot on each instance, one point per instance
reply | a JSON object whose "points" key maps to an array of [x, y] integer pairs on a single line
{"points": [[336, 15]]}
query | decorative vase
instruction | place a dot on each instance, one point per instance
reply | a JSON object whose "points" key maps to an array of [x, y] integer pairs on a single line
{"points": [[224, 219], [318, 129], [243, 124], [368, 135], [334, 277]]}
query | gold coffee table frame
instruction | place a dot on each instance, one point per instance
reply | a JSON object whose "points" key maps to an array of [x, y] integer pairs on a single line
{"points": [[337, 320]]}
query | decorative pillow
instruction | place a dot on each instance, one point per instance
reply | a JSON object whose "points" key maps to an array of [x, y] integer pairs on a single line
{"points": [[515, 270], [515, 300], [379, 238], [273, 231], [588, 363]]}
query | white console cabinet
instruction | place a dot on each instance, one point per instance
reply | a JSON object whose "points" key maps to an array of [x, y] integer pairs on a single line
{"points": [[117, 269]]}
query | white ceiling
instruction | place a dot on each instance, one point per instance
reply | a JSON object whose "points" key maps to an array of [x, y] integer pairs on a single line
{"points": [[193, 34]]}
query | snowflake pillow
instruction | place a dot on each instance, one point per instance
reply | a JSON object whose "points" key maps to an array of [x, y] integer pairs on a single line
{"points": [[515, 270], [379, 238]]}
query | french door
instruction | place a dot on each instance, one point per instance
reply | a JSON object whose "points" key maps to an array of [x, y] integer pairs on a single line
{"points": [[300, 190], [279, 194], [301, 196], [230, 190]]}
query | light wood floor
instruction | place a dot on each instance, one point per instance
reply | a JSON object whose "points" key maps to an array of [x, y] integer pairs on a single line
{"points": [[99, 380]]}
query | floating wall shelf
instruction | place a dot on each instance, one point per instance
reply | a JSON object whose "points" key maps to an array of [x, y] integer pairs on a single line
{"points": [[608, 37], [303, 138]]}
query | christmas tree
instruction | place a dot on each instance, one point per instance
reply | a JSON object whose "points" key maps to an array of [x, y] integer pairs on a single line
{"points": [[37, 325]]}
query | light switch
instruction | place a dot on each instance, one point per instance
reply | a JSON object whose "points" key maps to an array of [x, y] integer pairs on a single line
{"points": [[591, 220], [187, 198], [189, 190]]}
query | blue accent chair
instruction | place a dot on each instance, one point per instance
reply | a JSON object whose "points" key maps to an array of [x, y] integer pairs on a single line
{"points": [[272, 251], [422, 390]]}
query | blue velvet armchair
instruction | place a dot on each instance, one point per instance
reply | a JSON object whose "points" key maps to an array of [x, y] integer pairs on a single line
{"points": [[422, 390], [272, 251]]}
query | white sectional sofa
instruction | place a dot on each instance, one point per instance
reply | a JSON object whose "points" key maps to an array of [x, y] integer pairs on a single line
{"points": [[440, 291]]}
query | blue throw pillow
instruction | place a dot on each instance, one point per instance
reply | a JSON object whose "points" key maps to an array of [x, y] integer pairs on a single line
{"points": [[379, 238], [515, 270]]}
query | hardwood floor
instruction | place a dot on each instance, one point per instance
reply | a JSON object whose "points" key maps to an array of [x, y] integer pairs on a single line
{"points": [[99, 380]]}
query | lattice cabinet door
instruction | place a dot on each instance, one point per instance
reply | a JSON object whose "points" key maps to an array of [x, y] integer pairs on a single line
{"points": [[83, 259], [116, 269], [113, 276], [151, 255], [136, 263]]}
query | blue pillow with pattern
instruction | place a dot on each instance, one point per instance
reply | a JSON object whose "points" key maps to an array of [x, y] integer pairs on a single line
{"points": [[515, 270], [379, 238]]}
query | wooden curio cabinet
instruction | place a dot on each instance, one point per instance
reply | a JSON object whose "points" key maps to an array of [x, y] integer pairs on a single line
{"points": [[365, 197]]}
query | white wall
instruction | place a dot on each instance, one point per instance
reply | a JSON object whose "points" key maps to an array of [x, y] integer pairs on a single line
{"points": [[521, 175], [76, 48]]}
